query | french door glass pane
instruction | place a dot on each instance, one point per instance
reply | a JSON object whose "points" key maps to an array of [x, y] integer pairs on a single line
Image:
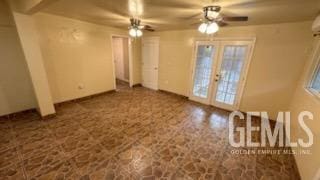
{"points": [[230, 72], [203, 70]]}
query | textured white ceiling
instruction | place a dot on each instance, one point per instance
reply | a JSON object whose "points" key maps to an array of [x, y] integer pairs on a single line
{"points": [[180, 14]]}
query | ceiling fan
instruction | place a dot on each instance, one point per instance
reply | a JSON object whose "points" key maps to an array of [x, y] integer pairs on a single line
{"points": [[135, 28], [213, 19]]}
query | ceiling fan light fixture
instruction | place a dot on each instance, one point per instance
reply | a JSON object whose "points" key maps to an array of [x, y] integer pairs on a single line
{"points": [[212, 28], [135, 32], [213, 20], [203, 27], [208, 27], [139, 33]]}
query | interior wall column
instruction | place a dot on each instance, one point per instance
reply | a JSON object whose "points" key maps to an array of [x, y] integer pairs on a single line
{"points": [[29, 41]]}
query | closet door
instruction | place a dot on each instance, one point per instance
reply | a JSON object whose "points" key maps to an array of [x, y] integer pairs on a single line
{"points": [[150, 62]]}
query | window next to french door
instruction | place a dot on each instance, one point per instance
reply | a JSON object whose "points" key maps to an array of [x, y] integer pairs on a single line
{"points": [[314, 83]]}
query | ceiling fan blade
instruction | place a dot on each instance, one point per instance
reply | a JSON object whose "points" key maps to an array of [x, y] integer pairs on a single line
{"points": [[146, 27], [237, 18], [197, 23], [193, 16], [149, 29], [222, 24]]}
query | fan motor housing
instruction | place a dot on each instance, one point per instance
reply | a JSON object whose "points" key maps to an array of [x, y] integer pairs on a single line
{"points": [[135, 22], [212, 8], [211, 12]]}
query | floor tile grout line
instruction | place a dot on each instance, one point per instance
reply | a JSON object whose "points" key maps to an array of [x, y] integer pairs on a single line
{"points": [[180, 124], [58, 145], [16, 146], [101, 145]]}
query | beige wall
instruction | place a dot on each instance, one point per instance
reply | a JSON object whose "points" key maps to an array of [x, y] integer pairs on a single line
{"points": [[77, 56], [16, 92], [270, 84], [304, 101], [5, 15]]}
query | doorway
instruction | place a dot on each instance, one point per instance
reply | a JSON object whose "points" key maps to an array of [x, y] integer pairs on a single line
{"points": [[219, 72], [150, 61], [122, 61]]}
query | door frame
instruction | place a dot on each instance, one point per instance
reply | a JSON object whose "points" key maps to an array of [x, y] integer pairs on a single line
{"points": [[219, 40], [130, 59], [142, 40]]}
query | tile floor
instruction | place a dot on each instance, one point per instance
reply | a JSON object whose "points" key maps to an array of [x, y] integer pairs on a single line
{"points": [[131, 134]]}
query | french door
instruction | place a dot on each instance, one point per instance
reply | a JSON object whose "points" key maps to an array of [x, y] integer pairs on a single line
{"points": [[206, 57], [219, 72]]}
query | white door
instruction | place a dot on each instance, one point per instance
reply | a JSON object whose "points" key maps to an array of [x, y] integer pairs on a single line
{"points": [[204, 65], [231, 74], [150, 61], [219, 73], [117, 44]]}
